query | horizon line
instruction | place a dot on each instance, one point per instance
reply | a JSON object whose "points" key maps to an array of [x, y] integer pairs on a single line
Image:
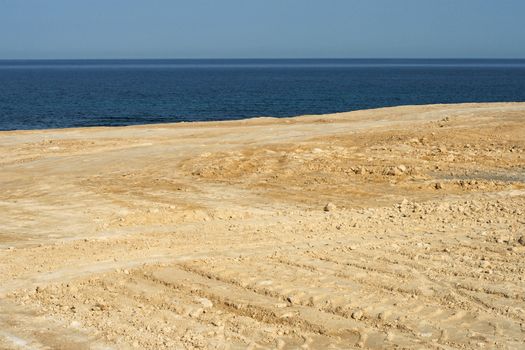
{"points": [[263, 58]]}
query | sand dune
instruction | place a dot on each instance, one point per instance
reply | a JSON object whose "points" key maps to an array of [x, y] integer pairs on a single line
{"points": [[391, 228]]}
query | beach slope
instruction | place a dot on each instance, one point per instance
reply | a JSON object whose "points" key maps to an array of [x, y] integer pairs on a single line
{"points": [[396, 227]]}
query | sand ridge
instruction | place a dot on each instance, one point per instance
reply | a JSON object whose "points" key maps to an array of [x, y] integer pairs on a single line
{"points": [[218, 235]]}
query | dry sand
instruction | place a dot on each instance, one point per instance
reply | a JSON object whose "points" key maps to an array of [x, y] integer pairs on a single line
{"points": [[390, 228]]}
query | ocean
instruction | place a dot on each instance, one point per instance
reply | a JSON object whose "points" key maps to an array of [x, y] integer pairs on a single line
{"points": [[40, 94]]}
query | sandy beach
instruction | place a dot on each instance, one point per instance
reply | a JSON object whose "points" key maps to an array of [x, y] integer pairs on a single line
{"points": [[390, 228]]}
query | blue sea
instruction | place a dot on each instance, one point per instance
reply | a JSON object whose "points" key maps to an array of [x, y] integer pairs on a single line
{"points": [[39, 94]]}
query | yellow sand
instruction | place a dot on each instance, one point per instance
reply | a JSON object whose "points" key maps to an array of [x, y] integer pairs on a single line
{"points": [[375, 229]]}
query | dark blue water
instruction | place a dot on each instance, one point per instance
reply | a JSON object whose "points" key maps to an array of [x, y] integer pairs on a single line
{"points": [[68, 93]]}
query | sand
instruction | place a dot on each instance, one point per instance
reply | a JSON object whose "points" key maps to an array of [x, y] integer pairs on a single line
{"points": [[390, 228]]}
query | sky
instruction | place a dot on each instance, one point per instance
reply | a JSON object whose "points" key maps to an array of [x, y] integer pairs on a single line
{"points": [[33, 29]]}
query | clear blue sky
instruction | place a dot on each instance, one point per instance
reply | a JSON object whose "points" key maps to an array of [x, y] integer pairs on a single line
{"points": [[262, 28]]}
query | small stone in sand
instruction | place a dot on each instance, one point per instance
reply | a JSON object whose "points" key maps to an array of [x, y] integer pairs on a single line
{"points": [[357, 315], [330, 207], [521, 240], [206, 303], [393, 171], [196, 313]]}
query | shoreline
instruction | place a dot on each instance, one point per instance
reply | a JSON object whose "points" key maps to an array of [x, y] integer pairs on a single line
{"points": [[267, 119]]}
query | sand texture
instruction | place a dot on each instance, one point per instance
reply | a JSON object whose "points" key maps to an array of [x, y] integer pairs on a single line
{"points": [[390, 228]]}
